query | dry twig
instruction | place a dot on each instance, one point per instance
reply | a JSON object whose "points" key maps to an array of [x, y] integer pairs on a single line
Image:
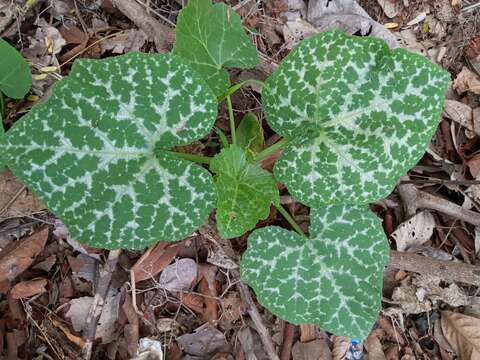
{"points": [[96, 308]]}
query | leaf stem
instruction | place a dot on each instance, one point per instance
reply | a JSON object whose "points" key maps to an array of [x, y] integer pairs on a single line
{"points": [[290, 220], [234, 88], [270, 150], [192, 157], [232, 120], [2, 106]]}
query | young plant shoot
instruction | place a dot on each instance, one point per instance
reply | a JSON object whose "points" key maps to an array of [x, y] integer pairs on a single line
{"points": [[352, 114]]}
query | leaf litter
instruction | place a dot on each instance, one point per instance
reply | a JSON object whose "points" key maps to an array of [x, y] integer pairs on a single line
{"points": [[64, 278]]}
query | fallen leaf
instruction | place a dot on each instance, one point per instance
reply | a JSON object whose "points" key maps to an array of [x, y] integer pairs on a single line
{"points": [[374, 347], [463, 334], [205, 340], [178, 276], [15, 199], [348, 16], [29, 288], [313, 350], [73, 35], [297, 30], [467, 80], [415, 231], [17, 256], [474, 165], [251, 344], [155, 260], [194, 302], [106, 329], [84, 270], [417, 19], [128, 40], [77, 340], [307, 332], [340, 347], [208, 287], [149, 349], [459, 112], [390, 7], [47, 264]]}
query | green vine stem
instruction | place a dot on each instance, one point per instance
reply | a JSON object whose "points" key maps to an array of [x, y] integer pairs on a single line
{"points": [[192, 157], [238, 86], [232, 120], [270, 150], [290, 220]]}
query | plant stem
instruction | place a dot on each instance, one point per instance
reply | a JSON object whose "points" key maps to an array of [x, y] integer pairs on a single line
{"points": [[2, 106], [232, 120], [236, 87], [290, 220], [271, 149], [192, 157]]}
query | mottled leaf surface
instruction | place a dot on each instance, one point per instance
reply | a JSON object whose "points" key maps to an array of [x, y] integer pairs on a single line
{"points": [[358, 115], [245, 192], [332, 279], [97, 152], [211, 37], [15, 79]]}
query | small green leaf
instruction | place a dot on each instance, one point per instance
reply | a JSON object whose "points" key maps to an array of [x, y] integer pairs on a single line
{"points": [[358, 115], [333, 279], [97, 152], [211, 37], [250, 135], [15, 78], [244, 192]]}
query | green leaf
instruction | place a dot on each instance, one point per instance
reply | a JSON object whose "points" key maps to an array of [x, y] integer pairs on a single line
{"points": [[332, 279], [211, 37], [15, 78], [97, 152], [244, 192], [358, 116], [250, 135]]}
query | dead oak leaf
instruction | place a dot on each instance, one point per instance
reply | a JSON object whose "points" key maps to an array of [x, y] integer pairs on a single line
{"points": [[463, 334], [17, 256], [467, 80], [29, 288]]}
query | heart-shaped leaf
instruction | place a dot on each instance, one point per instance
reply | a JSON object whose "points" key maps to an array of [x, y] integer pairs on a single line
{"points": [[15, 79], [97, 152], [358, 115], [244, 192], [211, 37], [333, 279]]}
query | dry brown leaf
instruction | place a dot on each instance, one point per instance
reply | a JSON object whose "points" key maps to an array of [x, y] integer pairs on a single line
{"points": [[463, 334], [459, 112], [474, 165], [307, 332], [208, 287], [17, 256], [313, 350], [415, 231], [297, 30], [206, 340], [179, 276], [15, 199], [155, 260], [374, 347], [340, 347], [391, 8], [29, 288], [192, 301], [467, 80]]}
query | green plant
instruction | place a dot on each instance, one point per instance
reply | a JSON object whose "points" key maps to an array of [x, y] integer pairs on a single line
{"points": [[354, 116]]}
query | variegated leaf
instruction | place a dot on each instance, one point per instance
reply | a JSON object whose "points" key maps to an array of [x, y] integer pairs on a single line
{"points": [[358, 115], [245, 192], [211, 37], [97, 152], [332, 279]]}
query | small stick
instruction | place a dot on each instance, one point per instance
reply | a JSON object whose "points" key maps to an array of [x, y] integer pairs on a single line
{"points": [[444, 269], [256, 318], [96, 308], [414, 199], [288, 333]]}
